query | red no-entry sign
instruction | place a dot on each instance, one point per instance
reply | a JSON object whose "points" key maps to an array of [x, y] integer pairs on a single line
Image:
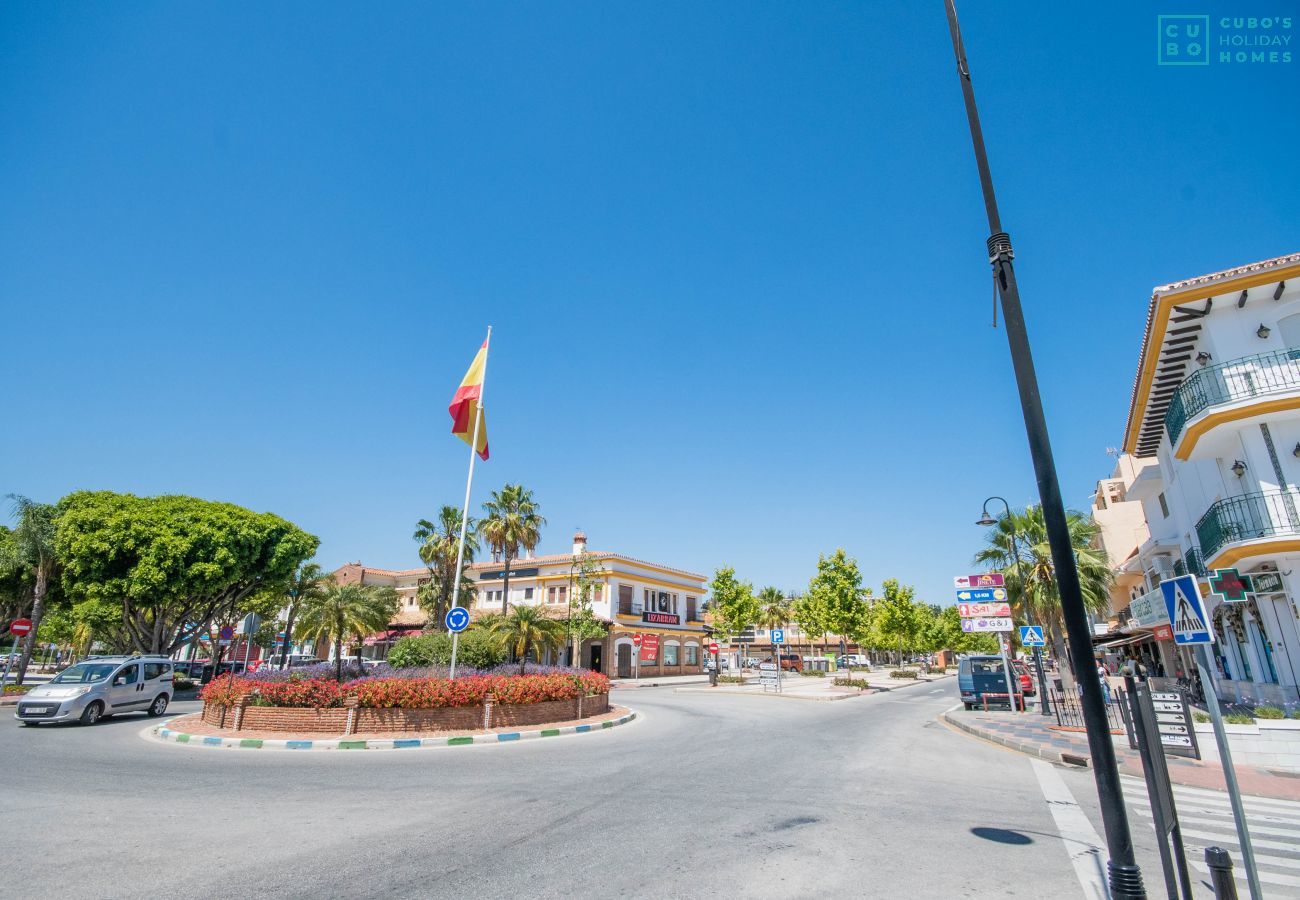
{"points": [[713, 648], [636, 640], [20, 626]]}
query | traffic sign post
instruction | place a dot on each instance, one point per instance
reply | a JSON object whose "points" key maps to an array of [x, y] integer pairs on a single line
{"points": [[778, 636], [1032, 636], [982, 580], [1186, 610], [18, 628], [983, 595], [456, 620]]}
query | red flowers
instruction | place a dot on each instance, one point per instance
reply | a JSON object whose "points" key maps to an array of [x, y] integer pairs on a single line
{"points": [[407, 693]]}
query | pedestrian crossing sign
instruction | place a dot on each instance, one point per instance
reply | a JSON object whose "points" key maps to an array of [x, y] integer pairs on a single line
{"points": [[1032, 636], [1187, 615]]}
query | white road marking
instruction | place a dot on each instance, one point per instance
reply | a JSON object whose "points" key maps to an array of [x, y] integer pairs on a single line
{"points": [[1081, 840]]}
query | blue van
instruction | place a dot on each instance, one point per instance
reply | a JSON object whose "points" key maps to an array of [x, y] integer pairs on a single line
{"points": [[980, 675]]}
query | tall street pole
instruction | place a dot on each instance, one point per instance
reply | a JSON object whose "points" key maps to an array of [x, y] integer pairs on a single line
{"points": [[1125, 876]]}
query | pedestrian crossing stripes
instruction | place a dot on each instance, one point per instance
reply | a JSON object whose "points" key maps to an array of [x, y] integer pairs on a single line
{"points": [[1205, 817]]}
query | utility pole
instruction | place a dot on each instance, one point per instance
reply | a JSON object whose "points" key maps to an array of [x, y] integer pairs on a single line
{"points": [[1125, 876]]}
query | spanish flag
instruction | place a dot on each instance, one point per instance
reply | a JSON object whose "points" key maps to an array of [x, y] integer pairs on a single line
{"points": [[464, 407]]}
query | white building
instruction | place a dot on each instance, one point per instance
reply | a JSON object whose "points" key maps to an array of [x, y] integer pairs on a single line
{"points": [[1215, 418]]}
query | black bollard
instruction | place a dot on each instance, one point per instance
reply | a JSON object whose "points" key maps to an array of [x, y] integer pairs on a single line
{"points": [[1220, 863]]}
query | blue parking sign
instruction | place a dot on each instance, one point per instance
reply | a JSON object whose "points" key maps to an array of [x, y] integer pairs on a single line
{"points": [[778, 635]]}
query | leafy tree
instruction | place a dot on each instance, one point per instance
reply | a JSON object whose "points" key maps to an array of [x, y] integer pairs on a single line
{"points": [[170, 563], [439, 544], [732, 604], [896, 616], [345, 611], [15, 584], [582, 623], [309, 581], [948, 635], [526, 628], [512, 521], [30, 548], [812, 616], [1031, 573], [836, 594]]}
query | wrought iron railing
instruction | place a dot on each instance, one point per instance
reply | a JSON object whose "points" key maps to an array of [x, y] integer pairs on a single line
{"points": [[1069, 710], [1195, 565], [1248, 517], [1239, 379]]}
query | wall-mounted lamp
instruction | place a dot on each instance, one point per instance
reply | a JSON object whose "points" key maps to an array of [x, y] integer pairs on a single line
{"points": [[1262, 331], [1203, 358], [1239, 468]]}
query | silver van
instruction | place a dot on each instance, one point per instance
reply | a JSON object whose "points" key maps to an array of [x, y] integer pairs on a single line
{"points": [[100, 686]]}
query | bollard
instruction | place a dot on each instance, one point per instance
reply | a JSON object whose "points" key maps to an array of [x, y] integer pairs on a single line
{"points": [[1220, 863]]}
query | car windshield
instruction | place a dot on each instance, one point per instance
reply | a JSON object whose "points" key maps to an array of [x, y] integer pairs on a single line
{"points": [[84, 673]]}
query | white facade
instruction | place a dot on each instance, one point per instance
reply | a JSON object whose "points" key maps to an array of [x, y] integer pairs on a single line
{"points": [[1216, 408]]}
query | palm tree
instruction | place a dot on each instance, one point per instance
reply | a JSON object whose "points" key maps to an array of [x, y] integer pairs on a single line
{"points": [[346, 610], [525, 628], [774, 612], [308, 583], [31, 547], [1031, 574], [439, 544], [512, 522]]}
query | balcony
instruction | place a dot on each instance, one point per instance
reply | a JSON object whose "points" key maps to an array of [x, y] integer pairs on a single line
{"points": [[1261, 375], [1243, 521]]}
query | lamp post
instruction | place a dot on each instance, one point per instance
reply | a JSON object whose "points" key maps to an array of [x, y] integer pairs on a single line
{"points": [[1125, 876], [1044, 705]]}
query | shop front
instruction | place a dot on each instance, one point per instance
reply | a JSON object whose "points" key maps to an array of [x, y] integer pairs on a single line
{"points": [[655, 653]]}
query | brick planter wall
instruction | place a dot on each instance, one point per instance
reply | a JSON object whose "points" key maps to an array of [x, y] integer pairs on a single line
{"points": [[400, 721]]}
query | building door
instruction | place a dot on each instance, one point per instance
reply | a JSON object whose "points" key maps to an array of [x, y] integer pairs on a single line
{"points": [[595, 662], [624, 660]]}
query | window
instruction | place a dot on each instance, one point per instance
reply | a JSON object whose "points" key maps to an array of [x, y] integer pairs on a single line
{"points": [[691, 615], [670, 654], [557, 594], [1164, 507], [625, 595], [692, 654], [528, 593], [129, 675], [596, 594], [155, 670]]}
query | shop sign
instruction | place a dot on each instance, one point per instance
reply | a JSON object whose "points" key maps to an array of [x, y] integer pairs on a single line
{"points": [[499, 574], [1267, 583], [1231, 585], [649, 648], [659, 618], [976, 610], [1163, 633], [1149, 609]]}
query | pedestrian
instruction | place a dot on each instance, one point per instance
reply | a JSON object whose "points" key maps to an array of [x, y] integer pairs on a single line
{"points": [[1102, 675]]}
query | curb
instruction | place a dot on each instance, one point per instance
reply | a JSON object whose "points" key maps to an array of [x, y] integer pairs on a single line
{"points": [[1055, 756], [164, 734]]}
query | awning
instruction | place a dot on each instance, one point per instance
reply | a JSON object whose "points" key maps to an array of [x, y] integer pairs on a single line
{"points": [[1110, 645], [384, 637]]}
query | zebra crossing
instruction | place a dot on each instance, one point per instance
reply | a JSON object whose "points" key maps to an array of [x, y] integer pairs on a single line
{"points": [[1205, 817]]}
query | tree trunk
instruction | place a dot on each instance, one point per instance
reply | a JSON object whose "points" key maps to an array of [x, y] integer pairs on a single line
{"points": [[523, 659], [338, 658], [1062, 658], [505, 587], [288, 637], [38, 613]]}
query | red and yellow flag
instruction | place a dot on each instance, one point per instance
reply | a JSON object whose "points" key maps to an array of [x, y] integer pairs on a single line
{"points": [[464, 407]]}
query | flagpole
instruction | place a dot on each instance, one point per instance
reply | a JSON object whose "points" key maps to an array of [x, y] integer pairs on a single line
{"points": [[464, 515]]}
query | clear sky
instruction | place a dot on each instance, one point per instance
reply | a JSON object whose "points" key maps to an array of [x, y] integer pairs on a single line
{"points": [[733, 253]]}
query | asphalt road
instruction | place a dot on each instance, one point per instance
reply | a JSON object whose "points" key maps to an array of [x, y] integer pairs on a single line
{"points": [[729, 796]]}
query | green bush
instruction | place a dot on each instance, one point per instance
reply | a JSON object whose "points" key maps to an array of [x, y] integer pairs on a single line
{"points": [[181, 683], [938, 670], [813, 673], [731, 679], [1269, 712], [904, 673], [1296, 714], [859, 683], [478, 649], [1238, 719], [420, 651], [1199, 716]]}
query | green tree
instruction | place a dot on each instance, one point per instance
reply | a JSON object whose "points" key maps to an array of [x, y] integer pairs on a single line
{"points": [[837, 595], [439, 544], [896, 617], [512, 521], [525, 629], [172, 563], [30, 547], [309, 581], [812, 616], [774, 612], [345, 611], [582, 623], [420, 651], [732, 603], [1031, 573], [948, 635]]}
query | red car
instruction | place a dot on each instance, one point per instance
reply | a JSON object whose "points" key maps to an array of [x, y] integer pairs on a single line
{"points": [[1022, 672]]}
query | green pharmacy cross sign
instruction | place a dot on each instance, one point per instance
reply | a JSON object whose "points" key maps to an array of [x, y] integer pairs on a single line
{"points": [[1231, 585]]}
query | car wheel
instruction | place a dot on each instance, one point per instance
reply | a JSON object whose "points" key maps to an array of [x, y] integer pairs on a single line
{"points": [[159, 705], [969, 706], [92, 713]]}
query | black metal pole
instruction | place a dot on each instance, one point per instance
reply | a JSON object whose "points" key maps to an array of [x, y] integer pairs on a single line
{"points": [[1220, 864], [1125, 876], [1044, 705]]}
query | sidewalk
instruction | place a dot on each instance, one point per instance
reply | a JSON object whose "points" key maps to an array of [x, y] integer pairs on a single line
{"points": [[1030, 733], [801, 687], [666, 681]]}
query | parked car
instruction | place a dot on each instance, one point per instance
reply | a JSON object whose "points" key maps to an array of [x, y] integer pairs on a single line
{"points": [[1022, 672], [791, 662], [98, 687], [978, 676], [708, 663], [751, 662], [854, 660]]}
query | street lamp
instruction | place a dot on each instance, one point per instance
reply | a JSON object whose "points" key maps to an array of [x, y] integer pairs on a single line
{"points": [[1044, 704]]}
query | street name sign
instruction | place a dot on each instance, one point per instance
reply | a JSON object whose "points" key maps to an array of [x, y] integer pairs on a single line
{"points": [[1032, 636], [997, 623], [983, 580], [457, 619], [1173, 717], [973, 610], [778, 635], [1186, 611], [983, 595]]}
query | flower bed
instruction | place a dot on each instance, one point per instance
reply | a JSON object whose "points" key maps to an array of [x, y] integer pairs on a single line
{"points": [[402, 703]]}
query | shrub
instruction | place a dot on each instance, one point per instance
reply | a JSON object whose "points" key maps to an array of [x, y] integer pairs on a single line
{"points": [[479, 649], [1269, 712], [813, 673], [315, 693], [938, 670], [1238, 719], [1296, 714], [859, 683], [731, 679], [1198, 716], [904, 673], [181, 683], [17, 689], [420, 651]]}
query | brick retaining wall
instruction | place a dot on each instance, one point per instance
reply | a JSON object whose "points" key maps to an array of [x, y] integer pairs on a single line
{"points": [[344, 720]]}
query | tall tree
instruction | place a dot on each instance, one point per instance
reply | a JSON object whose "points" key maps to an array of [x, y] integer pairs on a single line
{"points": [[774, 608], [308, 582], [511, 522], [582, 623], [812, 616], [896, 616], [836, 591], [172, 563], [439, 543], [524, 629], [1031, 574], [30, 548], [345, 611], [732, 604]]}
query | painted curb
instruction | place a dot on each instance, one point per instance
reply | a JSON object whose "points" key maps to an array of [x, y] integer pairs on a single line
{"points": [[1055, 756], [166, 735]]}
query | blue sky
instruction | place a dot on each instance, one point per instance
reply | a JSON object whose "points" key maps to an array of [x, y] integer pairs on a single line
{"points": [[733, 254]]}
